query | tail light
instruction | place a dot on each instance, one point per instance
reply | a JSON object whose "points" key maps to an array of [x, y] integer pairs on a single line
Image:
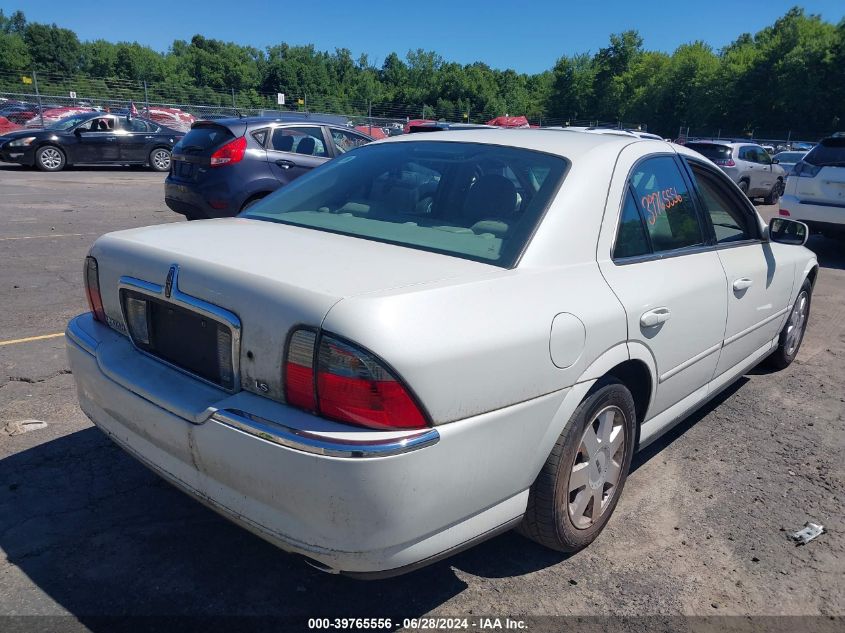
{"points": [[299, 370], [342, 382], [805, 170], [725, 162], [232, 152], [92, 289], [784, 212]]}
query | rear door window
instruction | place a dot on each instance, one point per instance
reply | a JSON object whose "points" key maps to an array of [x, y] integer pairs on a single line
{"points": [[664, 198], [306, 139], [731, 222], [631, 240]]}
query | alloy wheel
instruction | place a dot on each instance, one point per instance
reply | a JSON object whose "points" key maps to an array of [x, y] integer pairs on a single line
{"points": [[598, 467], [796, 323], [161, 160], [51, 158]]}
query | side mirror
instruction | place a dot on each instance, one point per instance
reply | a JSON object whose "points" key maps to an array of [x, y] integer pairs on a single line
{"points": [[78, 131], [775, 161], [788, 231]]}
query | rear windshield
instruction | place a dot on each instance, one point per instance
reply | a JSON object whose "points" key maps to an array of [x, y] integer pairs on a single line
{"points": [[829, 153], [711, 150], [205, 137], [474, 201]]}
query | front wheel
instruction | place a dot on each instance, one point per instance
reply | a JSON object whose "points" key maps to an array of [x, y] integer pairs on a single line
{"points": [[577, 490], [50, 158], [792, 333], [160, 159]]}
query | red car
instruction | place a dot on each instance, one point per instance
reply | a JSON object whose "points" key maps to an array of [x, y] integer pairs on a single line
{"points": [[52, 115], [7, 126]]}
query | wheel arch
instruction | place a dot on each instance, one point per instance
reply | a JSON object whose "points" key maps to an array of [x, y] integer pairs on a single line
{"points": [[257, 195], [812, 273]]}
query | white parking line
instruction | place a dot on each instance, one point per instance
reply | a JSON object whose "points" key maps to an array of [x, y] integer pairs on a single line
{"points": [[44, 237]]}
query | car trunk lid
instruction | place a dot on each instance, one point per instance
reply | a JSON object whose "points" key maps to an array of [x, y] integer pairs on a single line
{"points": [[271, 276]]}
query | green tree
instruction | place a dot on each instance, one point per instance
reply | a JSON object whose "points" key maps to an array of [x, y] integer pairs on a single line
{"points": [[52, 48]]}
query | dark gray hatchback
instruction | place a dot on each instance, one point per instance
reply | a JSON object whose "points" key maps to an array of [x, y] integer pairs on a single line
{"points": [[223, 166]]}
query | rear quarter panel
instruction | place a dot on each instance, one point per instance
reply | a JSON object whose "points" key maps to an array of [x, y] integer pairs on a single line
{"points": [[469, 348]]}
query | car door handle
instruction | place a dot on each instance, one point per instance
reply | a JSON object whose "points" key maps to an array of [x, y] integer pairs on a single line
{"points": [[654, 317], [285, 164], [743, 283]]}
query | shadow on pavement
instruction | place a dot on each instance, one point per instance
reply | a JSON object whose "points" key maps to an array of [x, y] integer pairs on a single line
{"points": [[103, 536], [831, 252]]}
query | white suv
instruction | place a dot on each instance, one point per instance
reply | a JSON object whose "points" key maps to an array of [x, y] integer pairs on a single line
{"points": [[815, 190], [748, 165]]}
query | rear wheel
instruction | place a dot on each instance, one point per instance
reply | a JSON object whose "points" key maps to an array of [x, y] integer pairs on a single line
{"points": [[743, 185], [775, 193], [160, 159], [251, 202], [577, 490], [50, 158], [792, 333]]}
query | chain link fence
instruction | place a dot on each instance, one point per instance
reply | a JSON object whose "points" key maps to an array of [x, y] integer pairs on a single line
{"points": [[27, 97]]}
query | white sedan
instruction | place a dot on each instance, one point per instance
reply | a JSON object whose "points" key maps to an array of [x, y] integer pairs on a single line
{"points": [[436, 338]]}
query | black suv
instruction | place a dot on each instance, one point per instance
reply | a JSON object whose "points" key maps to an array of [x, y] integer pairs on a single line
{"points": [[222, 166]]}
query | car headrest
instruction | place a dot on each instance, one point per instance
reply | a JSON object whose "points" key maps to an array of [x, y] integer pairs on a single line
{"points": [[491, 196], [306, 145], [283, 144]]}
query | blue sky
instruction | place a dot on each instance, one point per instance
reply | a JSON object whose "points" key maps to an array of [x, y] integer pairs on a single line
{"points": [[526, 36]]}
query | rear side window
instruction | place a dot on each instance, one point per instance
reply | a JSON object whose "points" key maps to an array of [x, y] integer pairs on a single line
{"points": [[666, 205], [829, 153], [711, 150], [631, 240], [205, 137]]}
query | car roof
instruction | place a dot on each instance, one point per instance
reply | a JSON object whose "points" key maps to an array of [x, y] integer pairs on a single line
{"points": [[250, 121], [564, 142]]}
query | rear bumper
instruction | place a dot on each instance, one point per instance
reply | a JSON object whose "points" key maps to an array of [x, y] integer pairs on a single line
{"points": [[195, 201], [351, 500], [823, 217]]}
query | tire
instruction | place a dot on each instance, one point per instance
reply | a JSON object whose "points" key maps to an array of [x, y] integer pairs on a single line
{"points": [[743, 185], [558, 505], [774, 194], [793, 330], [246, 205], [50, 158], [160, 159]]}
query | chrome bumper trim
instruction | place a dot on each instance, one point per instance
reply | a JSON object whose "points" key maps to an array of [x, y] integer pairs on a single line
{"points": [[307, 442], [79, 336]]}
